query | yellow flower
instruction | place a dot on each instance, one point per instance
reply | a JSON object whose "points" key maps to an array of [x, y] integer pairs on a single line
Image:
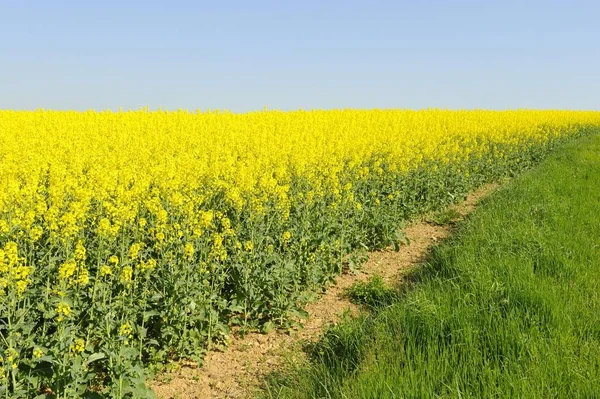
{"points": [[286, 236], [217, 241], [150, 264], [11, 354], [188, 250], [38, 353], [21, 286], [4, 228], [162, 216], [21, 272], [134, 251], [105, 270], [126, 275], [105, 228], [35, 233], [63, 310], [80, 252], [83, 278], [114, 260], [67, 270], [126, 330], [78, 346], [11, 252], [206, 218], [3, 262], [3, 285]]}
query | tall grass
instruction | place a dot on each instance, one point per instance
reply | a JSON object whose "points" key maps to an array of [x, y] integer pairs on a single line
{"points": [[509, 307]]}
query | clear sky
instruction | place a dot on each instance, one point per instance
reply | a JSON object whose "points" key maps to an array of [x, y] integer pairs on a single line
{"points": [[245, 55]]}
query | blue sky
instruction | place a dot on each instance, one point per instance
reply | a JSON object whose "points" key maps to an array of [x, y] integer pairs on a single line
{"points": [[243, 55]]}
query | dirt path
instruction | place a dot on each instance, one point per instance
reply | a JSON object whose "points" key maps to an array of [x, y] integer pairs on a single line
{"points": [[238, 371]]}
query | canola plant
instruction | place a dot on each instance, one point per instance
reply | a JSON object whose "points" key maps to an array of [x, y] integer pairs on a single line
{"points": [[129, 238]]}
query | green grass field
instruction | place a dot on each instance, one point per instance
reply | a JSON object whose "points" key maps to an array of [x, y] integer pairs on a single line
{"points": [[509, 307]]}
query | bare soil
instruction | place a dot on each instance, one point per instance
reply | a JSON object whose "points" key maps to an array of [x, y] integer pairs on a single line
{"points": [[237, 371]]}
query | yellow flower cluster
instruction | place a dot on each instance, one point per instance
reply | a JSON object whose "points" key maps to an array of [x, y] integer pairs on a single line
{"points": [[13, 270], [78, 345], [65, 173], [126, 332], [177, 220], [63, 310], [62, 170]]}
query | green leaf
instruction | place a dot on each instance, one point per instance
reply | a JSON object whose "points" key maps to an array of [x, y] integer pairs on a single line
{"points": [[236, 308], [268, 326], [150, 313], [95, 356], [300, 313]]}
